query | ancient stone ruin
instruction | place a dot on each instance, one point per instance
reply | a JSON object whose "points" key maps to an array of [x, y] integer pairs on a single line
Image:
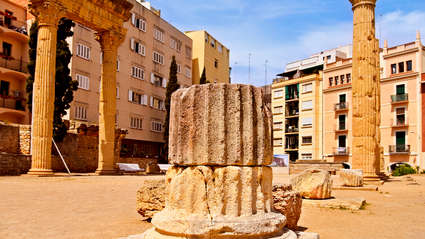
{"points": [[220, 185]]}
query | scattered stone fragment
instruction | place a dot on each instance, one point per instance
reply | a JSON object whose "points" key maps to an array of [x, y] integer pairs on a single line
{"points": [[151, 197], [344, 204], [351, 177], [289, 203], [308, 235], [313, 184], [153, 168]]}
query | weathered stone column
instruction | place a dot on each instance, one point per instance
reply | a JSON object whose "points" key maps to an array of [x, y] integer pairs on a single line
{"points": [[366, 90], [109, 42], [48, 16], [220, 185]]}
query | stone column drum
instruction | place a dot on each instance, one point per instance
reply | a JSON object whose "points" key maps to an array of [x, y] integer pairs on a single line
{"points": [[219, 185], [366, 91]]}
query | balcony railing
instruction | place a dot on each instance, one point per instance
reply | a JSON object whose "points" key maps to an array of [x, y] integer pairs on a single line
{"points": [[399, 149], [10, 102], [399, 98], [291, 147], [341, 127], [341, 106], [292, 129], [400, 123], [341, 151], [16, 65], [291, 113], [15, 25]]}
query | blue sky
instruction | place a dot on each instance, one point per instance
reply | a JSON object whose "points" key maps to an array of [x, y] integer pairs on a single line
{"points": [[281, 31]]}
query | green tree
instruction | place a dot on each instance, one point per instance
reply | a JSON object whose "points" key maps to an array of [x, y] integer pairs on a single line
{"points": [[64, 86], [172, 86], [203, 79]]}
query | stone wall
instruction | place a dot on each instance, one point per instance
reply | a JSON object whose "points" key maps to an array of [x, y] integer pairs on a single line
{"points": [[14, 164], [15, 139]]}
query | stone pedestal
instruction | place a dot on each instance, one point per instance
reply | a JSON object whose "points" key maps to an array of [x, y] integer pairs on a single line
{"points": [[366, 90], [220, 185]]}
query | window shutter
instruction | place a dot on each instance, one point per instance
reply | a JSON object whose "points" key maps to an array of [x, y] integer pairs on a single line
{"points": [[130, 95], [152, 78], [164, 83], [140, 49], [133, 18], [145, 99], [151, 103], [132, 45]]}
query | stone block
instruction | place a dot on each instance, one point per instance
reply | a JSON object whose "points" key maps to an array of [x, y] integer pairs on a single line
{"points": [[313, 184], [289, 203], [151, 197], [220, 125], [351, 177]]}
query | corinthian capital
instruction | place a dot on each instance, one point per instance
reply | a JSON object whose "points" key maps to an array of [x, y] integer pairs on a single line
{"points": [[110, 40], [47, 12]]}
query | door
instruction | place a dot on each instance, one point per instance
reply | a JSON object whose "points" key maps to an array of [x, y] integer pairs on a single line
{"points": [[400, 141], [342, 98], [342, 141], [4, 88], [400, 90]]}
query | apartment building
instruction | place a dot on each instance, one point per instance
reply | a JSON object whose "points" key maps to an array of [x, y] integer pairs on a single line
{"points": [[143, 65], [402, 106], [13, 62], [209, 55], [297, 106]]}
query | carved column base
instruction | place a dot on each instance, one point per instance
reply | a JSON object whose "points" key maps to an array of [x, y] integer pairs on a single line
{"points": [[40, 172]]}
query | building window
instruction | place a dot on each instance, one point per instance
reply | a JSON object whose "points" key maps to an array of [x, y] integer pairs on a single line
{"points": [[331, 79], [307, 105], [400, 116], [137, 73], [400, 89], [393, 68], [81, 112], [307, 122], [7, 49], [401, 67], [220, 48], [213, 43], [278, 109], [342, 77], [216, 63], [137, 47], [307, 140], [175, 44], [188, 72], [342, 142], [336, 80], [307, 88], [409, 66], [188, 51], [278, 93], [83, 51], [157, 103], [137, 98], [4, 88], [118, 92], [138, 22], [206, 38], [307, 156], [158, 81], [158, 34], [83, 82], [179, 68], [341, 122], [348, 78], [342, 98], [156, 126], [158, 58], [277, 142], [136, 122]]}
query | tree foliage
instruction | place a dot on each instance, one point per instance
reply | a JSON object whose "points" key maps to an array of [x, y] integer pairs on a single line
{"points": [[64, 84], [172, 86]]}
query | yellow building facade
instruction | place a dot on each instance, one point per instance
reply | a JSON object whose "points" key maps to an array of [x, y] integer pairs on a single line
{"points": [[210, 55], [13, 62]]}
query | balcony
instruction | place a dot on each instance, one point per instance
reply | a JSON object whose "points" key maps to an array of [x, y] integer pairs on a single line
{"points": [[292, 113], [292, 130], [341, 151], [403, 98], [15, 25], [341, 106], [292, 98], [400, 123], [341, 128], [399, 149], [12, 64], [14, 103]]}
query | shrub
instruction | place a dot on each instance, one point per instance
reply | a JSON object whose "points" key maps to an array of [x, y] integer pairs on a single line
{"points": [[403, 170]]}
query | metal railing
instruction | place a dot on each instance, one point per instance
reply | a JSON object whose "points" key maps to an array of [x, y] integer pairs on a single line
{"points": [[399, 149], [399, 98], [290, 113], [16, 65], [292, 129], [341, 151], [341, 106], [400, 122], [15, 25], [14, 103]]}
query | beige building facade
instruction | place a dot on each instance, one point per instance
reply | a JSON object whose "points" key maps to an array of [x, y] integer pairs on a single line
{"points": [[209, 55], [143, 65], [13, 62], [402, 106]]}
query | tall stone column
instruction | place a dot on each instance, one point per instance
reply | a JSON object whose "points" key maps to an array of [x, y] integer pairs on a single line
{"points": [[48, 16], [366, 90], [220, 185], [109, 42]]}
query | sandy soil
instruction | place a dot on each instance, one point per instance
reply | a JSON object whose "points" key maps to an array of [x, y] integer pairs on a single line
{"points": [[104, 207]]}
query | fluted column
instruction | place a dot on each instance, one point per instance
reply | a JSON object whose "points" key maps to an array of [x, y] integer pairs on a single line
{"points": [[366, 90], [48, 16], [109, 42]]}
